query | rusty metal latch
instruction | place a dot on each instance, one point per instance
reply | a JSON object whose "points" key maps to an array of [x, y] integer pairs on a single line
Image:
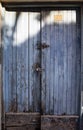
{"points": [[42, 46], [36, 67]]}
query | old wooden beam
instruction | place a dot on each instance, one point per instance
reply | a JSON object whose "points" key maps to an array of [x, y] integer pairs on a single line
{"points": [[41, 0], [0, 73], [22, 119], [81, 87], [59, 122]]}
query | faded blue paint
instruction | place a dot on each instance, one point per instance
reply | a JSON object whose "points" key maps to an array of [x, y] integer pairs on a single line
{"points": [[56, 89]]}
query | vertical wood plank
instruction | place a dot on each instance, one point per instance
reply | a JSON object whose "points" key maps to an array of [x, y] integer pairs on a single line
{"points": [[27, 64], [10, 19], [51, 64], [18, 44], [37, 56], [13, 83], [47, 65], [10, 100], [24, 24], [8, 59], [69, 98], [56, 90], [31, 51], [81, 83], [60, 65], [3, 72], [65, 65], [22, 63], [4, 64], [74, 73], [43, 64], [78, 61]]}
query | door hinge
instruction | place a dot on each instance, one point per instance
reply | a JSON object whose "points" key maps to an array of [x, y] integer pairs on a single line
{"points": [[42, 46]]}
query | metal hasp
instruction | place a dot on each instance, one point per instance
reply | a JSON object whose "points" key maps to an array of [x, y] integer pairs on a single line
{"points": [[37, 67], [42, 46]]}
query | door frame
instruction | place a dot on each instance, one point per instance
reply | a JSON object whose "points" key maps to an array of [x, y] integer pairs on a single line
{"points": [[0, 71], [81, 86]]}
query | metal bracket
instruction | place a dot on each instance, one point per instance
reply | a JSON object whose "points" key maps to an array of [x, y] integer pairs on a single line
{"points": [[42, 46]]}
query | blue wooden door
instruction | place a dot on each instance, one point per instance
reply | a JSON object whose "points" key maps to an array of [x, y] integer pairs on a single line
{"points": [[41, 65], [61, 60], [21, 83]]}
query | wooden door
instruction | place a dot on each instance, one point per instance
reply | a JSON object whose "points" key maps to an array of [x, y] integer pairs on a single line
{"points": [[21, 82], [60, 92], [41, 69]]}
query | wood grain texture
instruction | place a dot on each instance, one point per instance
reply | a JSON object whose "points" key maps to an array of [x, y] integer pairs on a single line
{"points": [[55, 90], [43, 64], [69, 60], [60, 60], [28, 127], [19, 56], [22, 119], [54, 123]]}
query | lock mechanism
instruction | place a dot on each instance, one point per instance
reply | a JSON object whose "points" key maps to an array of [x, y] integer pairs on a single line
{"points": [[42, 46], [36, 67]]}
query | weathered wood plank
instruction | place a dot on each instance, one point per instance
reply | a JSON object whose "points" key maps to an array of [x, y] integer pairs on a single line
{"points": [[81, 83], [1, 95], [21, 119], [37, 60], [78, 62], [1, 90], [60, 64], [18, 70], [26, 54], [65, 65], [13, 59], [56, 89], [28, 127], [9, 53], [4, 66], [47, 64], [24, 35], [42, 1], [31, 58], [69, 42], [73, 53], [7, 57], [58, 123], [51, 64], [43, 64], [16, 128]]}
